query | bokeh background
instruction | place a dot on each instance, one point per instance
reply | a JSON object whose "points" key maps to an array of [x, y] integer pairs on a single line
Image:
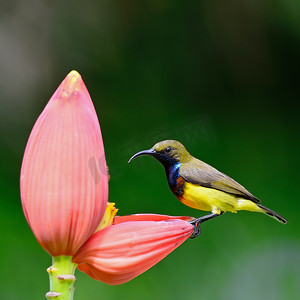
{"points": [[222, 77]]}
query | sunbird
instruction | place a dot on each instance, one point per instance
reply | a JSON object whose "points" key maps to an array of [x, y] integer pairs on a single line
{"points": [[201, 186]]}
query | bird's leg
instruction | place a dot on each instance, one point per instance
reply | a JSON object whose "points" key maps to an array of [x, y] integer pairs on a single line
{"points": [[197, 222]]}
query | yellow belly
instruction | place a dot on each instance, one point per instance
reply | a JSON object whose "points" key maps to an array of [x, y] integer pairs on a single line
{"points": [[208, 199]]}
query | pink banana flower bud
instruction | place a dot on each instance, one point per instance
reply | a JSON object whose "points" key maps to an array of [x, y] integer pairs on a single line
{"points": [[63, 194]]}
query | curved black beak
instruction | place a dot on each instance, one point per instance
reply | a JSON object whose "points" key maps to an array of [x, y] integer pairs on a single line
{"points": [[144, 152]]}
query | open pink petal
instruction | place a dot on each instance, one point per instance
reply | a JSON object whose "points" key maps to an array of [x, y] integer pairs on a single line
{"points": [[121, 252], [64, 185], [148, 217]]}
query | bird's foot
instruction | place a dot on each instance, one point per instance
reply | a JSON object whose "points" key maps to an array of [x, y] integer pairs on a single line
{"points": [[197, 230], [197, 222]]}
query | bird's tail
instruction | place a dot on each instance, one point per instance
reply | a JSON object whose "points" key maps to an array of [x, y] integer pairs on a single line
{"points": [[272, 214], [244, 204]]}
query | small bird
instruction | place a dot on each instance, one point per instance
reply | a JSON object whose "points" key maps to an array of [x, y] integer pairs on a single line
{"points": [[201, 186]]}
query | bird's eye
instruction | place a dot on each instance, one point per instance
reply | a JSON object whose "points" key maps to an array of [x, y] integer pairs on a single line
{"points": [[168, 149]]}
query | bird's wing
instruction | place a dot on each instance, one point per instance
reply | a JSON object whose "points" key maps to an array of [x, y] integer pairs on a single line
{"points": [[200, 173]]}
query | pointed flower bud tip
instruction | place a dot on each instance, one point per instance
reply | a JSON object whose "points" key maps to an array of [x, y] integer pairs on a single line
{"points": [[71, 84]]}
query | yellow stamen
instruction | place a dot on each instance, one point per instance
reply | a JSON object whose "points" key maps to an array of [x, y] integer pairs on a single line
{"points": [[108, 217]]}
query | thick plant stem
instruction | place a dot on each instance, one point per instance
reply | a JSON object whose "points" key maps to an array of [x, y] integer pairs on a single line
{"points": [[62, 278]]}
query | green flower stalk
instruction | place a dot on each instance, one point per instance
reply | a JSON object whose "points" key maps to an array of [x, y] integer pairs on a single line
{"points": [[62, 278]]}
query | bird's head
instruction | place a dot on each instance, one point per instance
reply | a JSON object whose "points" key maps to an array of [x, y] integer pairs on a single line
{"points": [[167, 152]]}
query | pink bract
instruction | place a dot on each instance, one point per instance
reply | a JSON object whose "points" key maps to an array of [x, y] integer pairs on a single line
{"points": [[121, 252], [64, 184]]}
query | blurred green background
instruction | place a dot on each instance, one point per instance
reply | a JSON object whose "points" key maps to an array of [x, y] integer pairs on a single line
{"points": [[221, 77]]}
